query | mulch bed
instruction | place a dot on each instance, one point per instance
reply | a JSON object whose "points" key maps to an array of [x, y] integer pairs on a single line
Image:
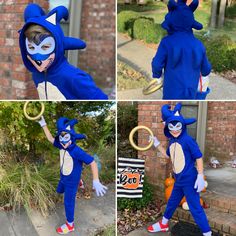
{"points": [[129, 220]]}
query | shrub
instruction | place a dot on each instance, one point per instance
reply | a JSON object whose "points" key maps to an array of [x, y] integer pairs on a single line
{"points": [[231, 11], [146, 29], [220, 51], [137, 203], [125, 21], [30, 186]]}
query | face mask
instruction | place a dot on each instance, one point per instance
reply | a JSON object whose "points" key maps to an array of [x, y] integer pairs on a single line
{"points": [[64, 139], [175, 127], [42, 55]]}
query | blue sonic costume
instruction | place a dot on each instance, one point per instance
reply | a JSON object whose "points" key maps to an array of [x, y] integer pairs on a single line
{"points": [[71, 164], [183, 151], [59, 80], [181, 54]]}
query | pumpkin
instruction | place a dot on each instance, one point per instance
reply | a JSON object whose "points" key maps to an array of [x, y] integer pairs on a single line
{"points": [[186, 207], [169, 181]]}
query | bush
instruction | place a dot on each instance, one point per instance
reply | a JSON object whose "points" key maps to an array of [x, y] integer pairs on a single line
{"points": [[125, 21], [30, 186], [137, 203], [146, 29], [220, 51], [231, 11]]}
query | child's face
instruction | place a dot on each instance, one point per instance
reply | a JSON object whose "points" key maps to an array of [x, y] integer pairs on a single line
{"points": [[65, 139], [41, 55], [175, 129]]}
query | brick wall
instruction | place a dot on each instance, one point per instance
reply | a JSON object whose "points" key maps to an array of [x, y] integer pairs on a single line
{"points": [[98, 29], [220, 137], [149, 114], [221, 130], [15, 81]]}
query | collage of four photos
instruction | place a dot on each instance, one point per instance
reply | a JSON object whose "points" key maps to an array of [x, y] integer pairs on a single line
{"points": [[118, 117]]}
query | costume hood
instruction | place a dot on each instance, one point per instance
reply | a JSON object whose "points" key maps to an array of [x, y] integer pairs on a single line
{"points": [[180, 17], [66, 125], [169, 116], [34, 14]]}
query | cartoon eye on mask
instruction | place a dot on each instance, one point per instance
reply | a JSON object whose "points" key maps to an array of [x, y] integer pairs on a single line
{"points": [[64, 138], [42, 55], [176, 127], [45, 48]]}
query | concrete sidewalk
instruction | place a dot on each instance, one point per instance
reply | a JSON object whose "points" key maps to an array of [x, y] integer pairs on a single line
{"points": [[91, 216], [139, 57], [16, 224]]}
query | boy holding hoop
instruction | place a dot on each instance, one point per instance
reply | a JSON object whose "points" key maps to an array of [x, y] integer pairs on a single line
{"points": [[72, 159]]}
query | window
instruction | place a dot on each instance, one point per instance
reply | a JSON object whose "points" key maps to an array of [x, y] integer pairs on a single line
{"points": [[197, 130]]}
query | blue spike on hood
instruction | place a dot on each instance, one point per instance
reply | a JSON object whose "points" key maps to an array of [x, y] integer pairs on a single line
{"points": [[180, 17], [169, 115], [34, 14]]}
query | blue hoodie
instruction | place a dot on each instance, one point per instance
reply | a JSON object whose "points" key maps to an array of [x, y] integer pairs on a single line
{"points": [[180, 54], [61, 81], [73, 157], [183, 150]]}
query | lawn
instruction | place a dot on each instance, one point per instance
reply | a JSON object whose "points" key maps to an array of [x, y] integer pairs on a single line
{"points": [[128, 78], [158, 10]]}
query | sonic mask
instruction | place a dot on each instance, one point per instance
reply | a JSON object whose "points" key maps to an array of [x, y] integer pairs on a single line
{"points": [[41, 55]]}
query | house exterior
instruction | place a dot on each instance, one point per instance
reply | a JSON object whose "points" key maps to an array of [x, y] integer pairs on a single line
{"points": [[215, 132], [92, 21]]}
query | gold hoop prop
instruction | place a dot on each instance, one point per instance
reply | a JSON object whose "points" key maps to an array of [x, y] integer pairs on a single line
{"points": [[33, 117], [152, 87], [131, 136]]}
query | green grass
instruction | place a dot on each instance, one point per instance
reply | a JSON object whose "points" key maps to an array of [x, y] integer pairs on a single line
{"points": [[129, 78]]}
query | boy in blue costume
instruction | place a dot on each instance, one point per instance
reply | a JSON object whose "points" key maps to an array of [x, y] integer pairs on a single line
{"points": [[72, 158], [180, 54], [42, 44], [189, 180]]}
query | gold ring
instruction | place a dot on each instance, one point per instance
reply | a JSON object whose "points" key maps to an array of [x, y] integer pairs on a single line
{"points": [[131, 136], [152, 87], [33, 117]]}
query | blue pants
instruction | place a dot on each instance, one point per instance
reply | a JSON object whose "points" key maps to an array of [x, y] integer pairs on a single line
{"points": [[69, 199], [193, 200]]}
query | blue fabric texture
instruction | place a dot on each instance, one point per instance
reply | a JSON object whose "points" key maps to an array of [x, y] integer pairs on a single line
{"points": [[193, 200], [72, 82], [183, 151], [181, 55], [68, 184], [69, 199]]}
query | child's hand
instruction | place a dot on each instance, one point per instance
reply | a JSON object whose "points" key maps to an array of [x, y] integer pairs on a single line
{"points": [[156, 142], [42, 122], [99, 188], [200, 183]]}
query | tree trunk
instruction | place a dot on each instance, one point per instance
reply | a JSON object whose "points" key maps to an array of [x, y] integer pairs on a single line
{"points": [[213, 13], [222, 13]]}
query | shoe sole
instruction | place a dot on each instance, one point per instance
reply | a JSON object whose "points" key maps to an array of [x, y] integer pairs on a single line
{"points": [[66, 233], [163, 230]]}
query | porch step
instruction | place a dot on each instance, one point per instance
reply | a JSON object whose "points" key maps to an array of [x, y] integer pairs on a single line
{"points": [[220, 222], [220, 202]]}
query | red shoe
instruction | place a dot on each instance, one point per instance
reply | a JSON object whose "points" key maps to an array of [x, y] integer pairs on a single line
{"points": [[158, 227], [65, 229]]}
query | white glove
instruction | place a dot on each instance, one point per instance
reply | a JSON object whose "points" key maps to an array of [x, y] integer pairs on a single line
{"points": [[99, 188], [42, 122], [200, 183], [156, 142]]}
